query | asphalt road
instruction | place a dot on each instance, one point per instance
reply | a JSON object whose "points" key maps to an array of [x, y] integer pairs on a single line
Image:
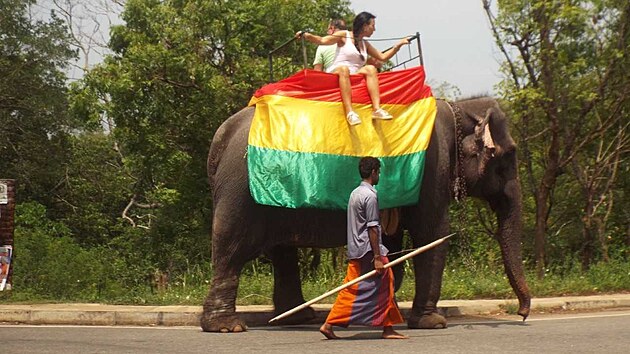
{"points": [[594, 332]]}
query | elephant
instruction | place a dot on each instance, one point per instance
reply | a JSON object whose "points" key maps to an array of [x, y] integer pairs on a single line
{"points": [[460, 160]]}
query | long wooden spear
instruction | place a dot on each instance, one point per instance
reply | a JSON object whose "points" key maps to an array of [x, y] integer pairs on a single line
{"points": [[363, 277]]}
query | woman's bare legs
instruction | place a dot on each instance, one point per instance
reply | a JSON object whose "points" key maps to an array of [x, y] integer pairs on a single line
{"points": [[346, 94], [371, 80], [344, 85]]}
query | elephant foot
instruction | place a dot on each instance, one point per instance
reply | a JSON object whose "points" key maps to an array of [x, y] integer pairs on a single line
{"points": [[225, 323], [524, 312], [300, 317], [427, 321]]}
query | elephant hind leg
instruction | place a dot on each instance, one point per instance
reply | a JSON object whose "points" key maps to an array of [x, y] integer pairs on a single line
{"points": [[230, 251], [287, 288], [219, 308]]}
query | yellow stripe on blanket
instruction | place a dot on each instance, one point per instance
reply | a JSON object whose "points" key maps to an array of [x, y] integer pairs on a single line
{"points": [[301, 125]]}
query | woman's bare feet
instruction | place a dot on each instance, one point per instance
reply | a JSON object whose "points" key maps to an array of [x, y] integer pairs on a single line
{"points": [[389, 333], [327, 331]]}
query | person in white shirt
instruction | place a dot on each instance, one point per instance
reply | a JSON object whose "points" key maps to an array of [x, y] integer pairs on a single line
{"points": [[325, 54], [351, 55]]}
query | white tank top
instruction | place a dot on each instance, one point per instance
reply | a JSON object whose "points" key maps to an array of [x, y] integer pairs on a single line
{"points": [[348, 55]]}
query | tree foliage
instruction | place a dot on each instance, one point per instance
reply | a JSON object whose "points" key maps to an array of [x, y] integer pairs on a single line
{"points": [[178, 70], [568, 89], [34, 124], [51, 141]]}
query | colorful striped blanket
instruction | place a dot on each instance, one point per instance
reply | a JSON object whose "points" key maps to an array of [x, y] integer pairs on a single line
{"points": [[302, 153]]}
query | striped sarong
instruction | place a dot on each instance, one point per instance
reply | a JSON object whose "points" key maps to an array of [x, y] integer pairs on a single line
{"points": [[370, 302]]}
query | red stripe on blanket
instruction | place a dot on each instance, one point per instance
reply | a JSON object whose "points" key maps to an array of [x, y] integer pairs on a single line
{"points": [[396, 87]]}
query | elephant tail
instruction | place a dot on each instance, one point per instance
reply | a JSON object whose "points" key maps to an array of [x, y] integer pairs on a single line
{"points": [[219, 143], [224, 136]]}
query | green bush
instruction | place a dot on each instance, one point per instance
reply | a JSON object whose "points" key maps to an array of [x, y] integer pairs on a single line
{"points": [[48, 264]]}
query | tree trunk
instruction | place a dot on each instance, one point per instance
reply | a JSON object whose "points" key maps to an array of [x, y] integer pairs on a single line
{"points": [[587, 247], [601, 231], [542, 212], [552, 156], [587, 232]]}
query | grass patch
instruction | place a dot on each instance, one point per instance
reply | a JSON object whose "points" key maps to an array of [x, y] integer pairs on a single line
{"points": [[256, 285]]}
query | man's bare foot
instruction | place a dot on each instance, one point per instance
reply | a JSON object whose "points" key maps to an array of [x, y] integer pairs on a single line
{"points": [[327, 331], [389, 333]]}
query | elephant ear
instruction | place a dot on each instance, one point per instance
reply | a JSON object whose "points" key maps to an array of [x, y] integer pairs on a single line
{"points": [[499, 131], [492, 137]]}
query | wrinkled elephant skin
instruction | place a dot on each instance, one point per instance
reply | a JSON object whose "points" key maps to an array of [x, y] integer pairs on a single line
{"points": [[243, 230]]}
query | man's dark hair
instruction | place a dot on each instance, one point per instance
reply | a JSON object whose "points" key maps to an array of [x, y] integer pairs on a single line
{"points": [[367, 165], [339, 23]]}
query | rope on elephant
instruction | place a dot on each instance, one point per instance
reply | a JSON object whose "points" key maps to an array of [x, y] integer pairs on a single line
{"points": [[459, 186], [459, 182]]}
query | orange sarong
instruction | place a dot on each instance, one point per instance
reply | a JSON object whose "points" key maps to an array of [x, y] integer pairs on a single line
{"points": [[370, 302]]}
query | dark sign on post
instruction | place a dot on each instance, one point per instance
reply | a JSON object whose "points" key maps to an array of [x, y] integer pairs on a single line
{"points": [[7, 214]]}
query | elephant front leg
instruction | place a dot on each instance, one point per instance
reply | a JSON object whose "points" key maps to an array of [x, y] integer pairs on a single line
{"points": [[428, 268], [219, 308], [287, 289]]}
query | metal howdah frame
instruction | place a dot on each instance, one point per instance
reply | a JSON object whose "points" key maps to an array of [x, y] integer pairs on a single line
{"points": [[412, 38]]}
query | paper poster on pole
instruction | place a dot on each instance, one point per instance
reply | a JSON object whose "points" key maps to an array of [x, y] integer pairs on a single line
{"points": [[5, 265], [4, 193]]}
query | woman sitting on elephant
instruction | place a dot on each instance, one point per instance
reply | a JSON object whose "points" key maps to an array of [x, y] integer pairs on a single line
{"points": [[350, 58]]}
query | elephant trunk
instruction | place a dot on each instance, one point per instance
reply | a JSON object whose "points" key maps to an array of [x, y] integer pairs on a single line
{"points": [[509, 212]]}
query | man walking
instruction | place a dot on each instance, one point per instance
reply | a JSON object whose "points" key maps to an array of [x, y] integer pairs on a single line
{"points": [[370, 302]]}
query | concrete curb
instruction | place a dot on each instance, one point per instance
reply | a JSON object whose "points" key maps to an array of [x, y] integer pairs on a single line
{"points": [[112, 315]]}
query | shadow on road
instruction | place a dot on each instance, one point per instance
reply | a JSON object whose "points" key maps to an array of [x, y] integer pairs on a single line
{"points": [[365, 333]]}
